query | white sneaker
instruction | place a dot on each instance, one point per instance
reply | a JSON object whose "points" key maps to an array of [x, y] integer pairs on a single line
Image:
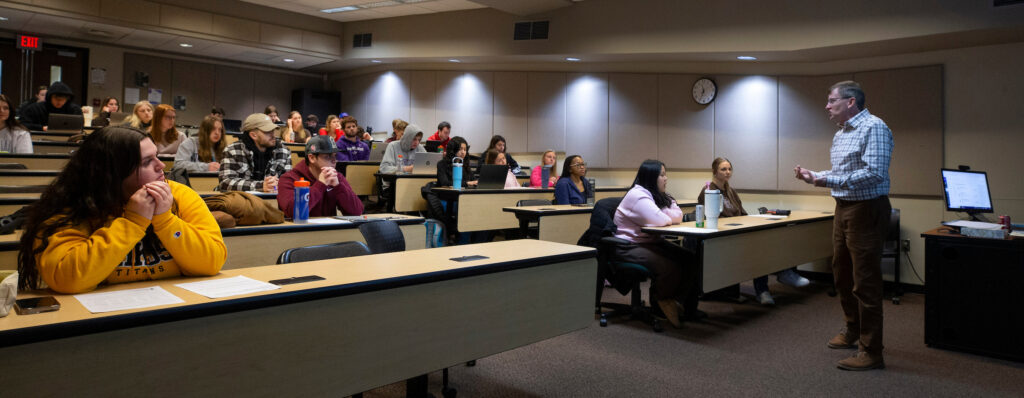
{"points": [[765, 298], [791, 278]]}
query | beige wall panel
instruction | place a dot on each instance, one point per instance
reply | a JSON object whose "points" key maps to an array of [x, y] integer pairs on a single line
{"points": [[686, 129], [112, 60], [280, 35], [186, 19], [235, 28], [321, 43], [546, 111], [129, 10], [586, 118], [423, 89], [746, 129], [510, 109], [159, 70], [233, 90], [632, 119], [271, 88], [88, 7], [386, 98], [466, 100], [195, 81], [354, 94], [805, 133], [910, 102]]}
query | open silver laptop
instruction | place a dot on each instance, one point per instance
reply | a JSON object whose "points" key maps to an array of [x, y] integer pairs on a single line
{"points": [[377, 149], [60, 123], [425, 162]]}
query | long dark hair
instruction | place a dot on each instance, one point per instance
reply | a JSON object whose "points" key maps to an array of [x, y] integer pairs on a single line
{"points": [[567, 166], [208, 150], [647, 177], [494, 142], [453, 147], [87, 192], [11, 122]]}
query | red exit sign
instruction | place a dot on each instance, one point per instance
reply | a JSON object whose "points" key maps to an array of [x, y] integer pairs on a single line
{"points": [[29, 43]]}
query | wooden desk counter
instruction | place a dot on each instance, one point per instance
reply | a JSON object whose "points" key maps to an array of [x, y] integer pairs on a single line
{"points": [[27, 177], [43, 147], [482, 209], [372, 321], [559, 223], [746, 247], [11, 202], [361, 176], [406, 190], [205, 181]]}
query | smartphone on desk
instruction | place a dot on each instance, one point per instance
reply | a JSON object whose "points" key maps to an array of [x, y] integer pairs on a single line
{"points": [[36, 305]]}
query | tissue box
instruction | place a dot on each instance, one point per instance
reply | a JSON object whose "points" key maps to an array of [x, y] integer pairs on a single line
{"points": [[8, 291], [984, 233]]}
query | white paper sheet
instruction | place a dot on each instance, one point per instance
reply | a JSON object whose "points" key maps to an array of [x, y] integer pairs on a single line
{"points": [[973, 224], [327, 220], [227, 287], [127, 299], [694, 230], [131, 95], [156, 96], [769, 216]]}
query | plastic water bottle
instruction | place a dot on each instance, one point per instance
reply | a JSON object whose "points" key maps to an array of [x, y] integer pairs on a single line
{"points": [[713, 206], [545, 176], [457, 173], [301, 211], [590, 193], [700, 216], [401, 165]]}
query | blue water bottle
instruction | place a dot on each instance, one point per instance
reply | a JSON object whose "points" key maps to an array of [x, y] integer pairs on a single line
{"points": [[457, 173], [301, 211]]}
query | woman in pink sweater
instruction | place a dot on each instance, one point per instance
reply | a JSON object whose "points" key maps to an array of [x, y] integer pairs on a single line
{"points": [[673, 268]]}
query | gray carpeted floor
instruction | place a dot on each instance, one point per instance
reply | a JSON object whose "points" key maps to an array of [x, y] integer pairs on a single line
{"points": [[743, 350]]}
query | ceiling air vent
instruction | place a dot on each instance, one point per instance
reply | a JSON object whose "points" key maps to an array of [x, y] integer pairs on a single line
{"points": [[536, 30], [361, 40]]}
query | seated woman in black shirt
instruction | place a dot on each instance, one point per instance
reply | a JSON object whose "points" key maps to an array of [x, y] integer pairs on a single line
{"points": [[457, 148]]}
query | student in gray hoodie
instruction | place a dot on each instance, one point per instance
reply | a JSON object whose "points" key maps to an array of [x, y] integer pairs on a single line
{"points": [[399, 155]]}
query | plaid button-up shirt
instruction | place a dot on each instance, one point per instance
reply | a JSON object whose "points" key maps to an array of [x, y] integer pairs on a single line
{"points": [[861, 153], [237, 174]]}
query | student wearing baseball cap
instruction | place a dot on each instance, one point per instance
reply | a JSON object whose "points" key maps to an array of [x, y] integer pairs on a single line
{"points": [[254, 162], [329, 192]]}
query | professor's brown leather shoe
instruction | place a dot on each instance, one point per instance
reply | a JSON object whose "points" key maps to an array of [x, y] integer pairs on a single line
{"points": [[671, 310], [862, 361], [845, 339]]}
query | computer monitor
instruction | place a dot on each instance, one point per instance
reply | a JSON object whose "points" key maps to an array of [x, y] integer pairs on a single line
{"points": [[966, 191]]}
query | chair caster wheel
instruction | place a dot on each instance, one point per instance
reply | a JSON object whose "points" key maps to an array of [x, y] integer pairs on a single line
{"points": [[657, 326], [449, 392], [896, 300], [471, 363], [604, 321]]}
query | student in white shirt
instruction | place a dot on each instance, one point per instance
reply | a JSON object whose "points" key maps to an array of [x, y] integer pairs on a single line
{"points": [[14, 137]]}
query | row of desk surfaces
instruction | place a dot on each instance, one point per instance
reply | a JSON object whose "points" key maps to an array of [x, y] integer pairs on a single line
{"points": [[56, 161], [484, 209], [372, 321], [564, 223], [10, 202], [406, 195], [262, 244]]}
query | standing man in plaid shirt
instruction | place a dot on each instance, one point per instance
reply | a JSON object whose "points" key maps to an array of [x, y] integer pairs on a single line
{"points": [[859, 179], [254, 162]]}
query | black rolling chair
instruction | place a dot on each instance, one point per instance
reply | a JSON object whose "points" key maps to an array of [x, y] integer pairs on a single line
{"points": [[383, 236], [323, 252], [893, 249], [531, 229], [624, 276]]}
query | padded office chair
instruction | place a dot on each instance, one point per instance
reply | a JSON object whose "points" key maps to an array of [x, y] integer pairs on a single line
{"points": [[892, 248], [383, 236], [323, 252], [624, 276], [533, 232]]}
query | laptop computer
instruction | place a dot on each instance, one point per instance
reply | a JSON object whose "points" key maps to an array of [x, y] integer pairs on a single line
{"points": [[426, 163], [377, 149], [60, 123], [431, 145], [232, 126], [492, 176], [117, 118]]}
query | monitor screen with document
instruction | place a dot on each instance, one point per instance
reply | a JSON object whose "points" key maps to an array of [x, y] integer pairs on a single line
{"points": [[966, 191]]}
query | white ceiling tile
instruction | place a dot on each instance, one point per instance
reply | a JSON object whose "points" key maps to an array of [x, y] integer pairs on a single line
{"points": [[326, 4], [145, 39], [16, 19], [448, 5]]}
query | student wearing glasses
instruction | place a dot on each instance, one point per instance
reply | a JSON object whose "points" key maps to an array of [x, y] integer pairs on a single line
{"points": [[166, 137], [572, 187], [329, 191]]}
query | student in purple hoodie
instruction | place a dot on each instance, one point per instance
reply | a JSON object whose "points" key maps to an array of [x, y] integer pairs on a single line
{"points": [[351, 148]]}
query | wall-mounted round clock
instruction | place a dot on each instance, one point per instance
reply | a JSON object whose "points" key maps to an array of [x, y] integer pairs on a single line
{"points": [[704, 91]]}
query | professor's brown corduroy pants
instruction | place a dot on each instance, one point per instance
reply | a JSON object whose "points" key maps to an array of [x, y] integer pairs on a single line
{"points": [[858, 234]]}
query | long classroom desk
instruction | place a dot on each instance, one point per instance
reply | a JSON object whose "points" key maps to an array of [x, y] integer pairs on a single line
{"points": [[372, 321], [53, 147], [746, 247], [482, 209], [56, 161], [11, 202], [405, 195], [563, 223], [262, 244], [360, 176]]}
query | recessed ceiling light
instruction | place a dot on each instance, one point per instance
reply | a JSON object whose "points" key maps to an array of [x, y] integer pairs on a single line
{"points": [[186, 45], [572, 59], [376, 61], [339, 9], [746, 58], [288, 60], [454, 60]]}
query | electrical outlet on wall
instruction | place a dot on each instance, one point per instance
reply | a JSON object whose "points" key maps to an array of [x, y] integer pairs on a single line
{"points": [[905, 245]]}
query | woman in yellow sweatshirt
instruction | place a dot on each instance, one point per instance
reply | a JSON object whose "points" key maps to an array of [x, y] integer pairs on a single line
{"points": [[110, 216]]}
